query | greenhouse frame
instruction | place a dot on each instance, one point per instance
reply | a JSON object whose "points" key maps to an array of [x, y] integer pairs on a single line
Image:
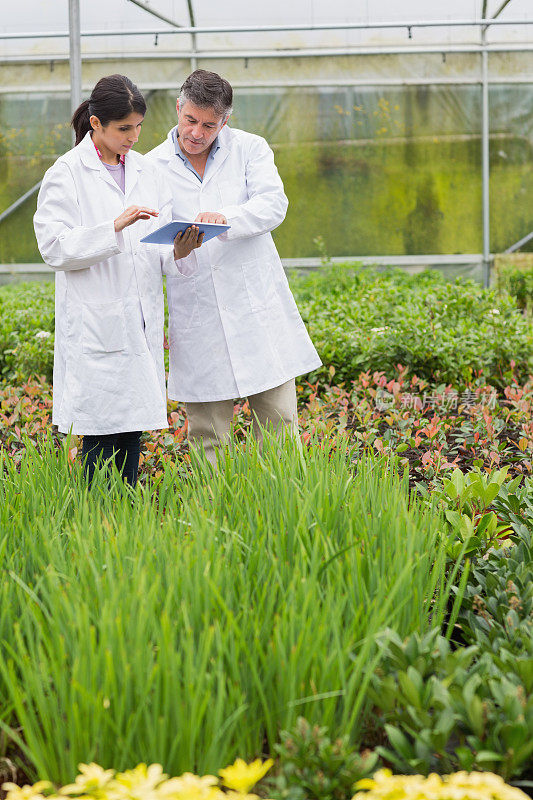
{"points": [[401, 140]]}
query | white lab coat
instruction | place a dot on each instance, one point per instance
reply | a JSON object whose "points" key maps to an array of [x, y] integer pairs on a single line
{"points": [[235, 329], [108, 361]]}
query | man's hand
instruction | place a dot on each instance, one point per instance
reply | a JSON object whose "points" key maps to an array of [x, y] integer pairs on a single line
{"points": [[186, 242], [213, 217]]}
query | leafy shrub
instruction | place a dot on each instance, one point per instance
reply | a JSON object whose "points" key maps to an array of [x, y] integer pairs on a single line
{"points": [[445, 333], [430, 441], [444, 710], [471, 708], [497, 601], [466, 500], [514, 275], [26, 331], [313, 767], [359, 319]]}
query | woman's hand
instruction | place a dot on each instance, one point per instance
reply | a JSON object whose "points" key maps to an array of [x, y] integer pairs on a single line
{"points": [[187, 241], [133, 214]]}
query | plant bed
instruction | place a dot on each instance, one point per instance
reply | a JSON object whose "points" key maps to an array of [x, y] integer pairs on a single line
{"points": [[360, 319], [432, 431]]}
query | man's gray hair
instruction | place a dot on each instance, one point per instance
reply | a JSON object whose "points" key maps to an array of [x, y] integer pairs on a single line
{"points": [[207, 90]]}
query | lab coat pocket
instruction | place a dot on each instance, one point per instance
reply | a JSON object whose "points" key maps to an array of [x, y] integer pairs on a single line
{"points": [[103, 327], [255, 284], [183, 302]]}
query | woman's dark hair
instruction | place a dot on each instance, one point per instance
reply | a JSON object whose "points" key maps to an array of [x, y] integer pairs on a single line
{"points": [[114, 97]]}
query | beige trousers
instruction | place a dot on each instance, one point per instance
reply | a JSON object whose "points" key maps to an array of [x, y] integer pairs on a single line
{"points": [[210, 423]]}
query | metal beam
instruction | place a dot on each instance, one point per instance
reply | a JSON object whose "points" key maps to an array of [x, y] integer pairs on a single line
{"points": [[74, 57], [22, 199], [154, 13], [499, 11], [194, 59], [326, 52], [182, 29], [465, 260], [518, 245], [304, 83], [485, 177]]}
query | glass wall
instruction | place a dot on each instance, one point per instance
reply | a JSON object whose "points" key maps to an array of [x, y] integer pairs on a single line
{"points": [[373, 170]]}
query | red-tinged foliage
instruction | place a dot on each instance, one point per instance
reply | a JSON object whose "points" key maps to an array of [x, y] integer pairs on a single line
{"points": [[431, 433], [25, 411]]}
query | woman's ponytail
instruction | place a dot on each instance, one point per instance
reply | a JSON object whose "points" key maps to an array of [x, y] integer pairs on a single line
{"points": [[113, 98], [80, 121]]}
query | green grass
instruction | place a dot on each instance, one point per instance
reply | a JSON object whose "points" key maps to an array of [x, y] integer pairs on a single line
{"points": [[191, 620]]}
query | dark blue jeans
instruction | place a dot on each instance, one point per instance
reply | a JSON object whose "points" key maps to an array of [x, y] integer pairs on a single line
{"points": [[124, 447]]}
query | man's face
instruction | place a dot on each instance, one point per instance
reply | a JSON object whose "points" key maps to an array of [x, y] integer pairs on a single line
{"points": [[197, 127]]}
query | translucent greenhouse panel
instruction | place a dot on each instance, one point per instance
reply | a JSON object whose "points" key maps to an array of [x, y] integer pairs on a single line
{"points": [[33, 131], [391, 170], [511, 164]]}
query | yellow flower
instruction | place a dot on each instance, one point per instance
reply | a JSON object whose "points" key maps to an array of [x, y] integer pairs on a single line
{"points": [[26, 792], [238, 796], [92, 778], [242, 776], [191, 787], [487, 783], [141, 782], [459, 786]]}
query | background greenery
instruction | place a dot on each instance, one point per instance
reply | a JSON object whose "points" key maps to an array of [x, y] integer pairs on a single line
{"points": [[359, 319], [446, 333], [374, 170]]}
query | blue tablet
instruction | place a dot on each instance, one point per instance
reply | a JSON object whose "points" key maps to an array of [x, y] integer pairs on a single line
{"points": [[167, 233]]}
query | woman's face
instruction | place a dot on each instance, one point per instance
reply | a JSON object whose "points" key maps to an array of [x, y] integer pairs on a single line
{"points": [[118, 136]]}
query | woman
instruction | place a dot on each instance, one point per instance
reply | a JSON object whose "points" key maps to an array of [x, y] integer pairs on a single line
{"points": [[95, 204]]}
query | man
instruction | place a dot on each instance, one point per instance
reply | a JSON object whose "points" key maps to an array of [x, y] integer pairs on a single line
{"points": [[235, 330]]}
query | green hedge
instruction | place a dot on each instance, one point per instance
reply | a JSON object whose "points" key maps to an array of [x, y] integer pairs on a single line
{"points": [[446, 333], [360, 319], [26, 331], [514, 274]]}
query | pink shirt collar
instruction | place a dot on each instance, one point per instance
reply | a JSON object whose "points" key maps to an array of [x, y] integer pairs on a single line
{"points": [[122, 157]]}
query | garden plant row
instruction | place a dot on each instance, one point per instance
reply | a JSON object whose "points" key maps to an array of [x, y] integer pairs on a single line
{"points": [[360, 319], [401, 533]]}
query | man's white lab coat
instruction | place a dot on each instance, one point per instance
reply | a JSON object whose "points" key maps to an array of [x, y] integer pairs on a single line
{"points": [[108, 362], [235, 329]]}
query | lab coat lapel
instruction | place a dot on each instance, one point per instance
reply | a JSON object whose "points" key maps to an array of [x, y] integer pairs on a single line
{"points": [[90, 159], [217, 162], [176, 165], [133, 165]]}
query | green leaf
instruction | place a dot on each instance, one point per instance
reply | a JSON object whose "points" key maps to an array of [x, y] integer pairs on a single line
{"points": [[488, 757], [474, 710], [411, 685], [399, 742]]}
